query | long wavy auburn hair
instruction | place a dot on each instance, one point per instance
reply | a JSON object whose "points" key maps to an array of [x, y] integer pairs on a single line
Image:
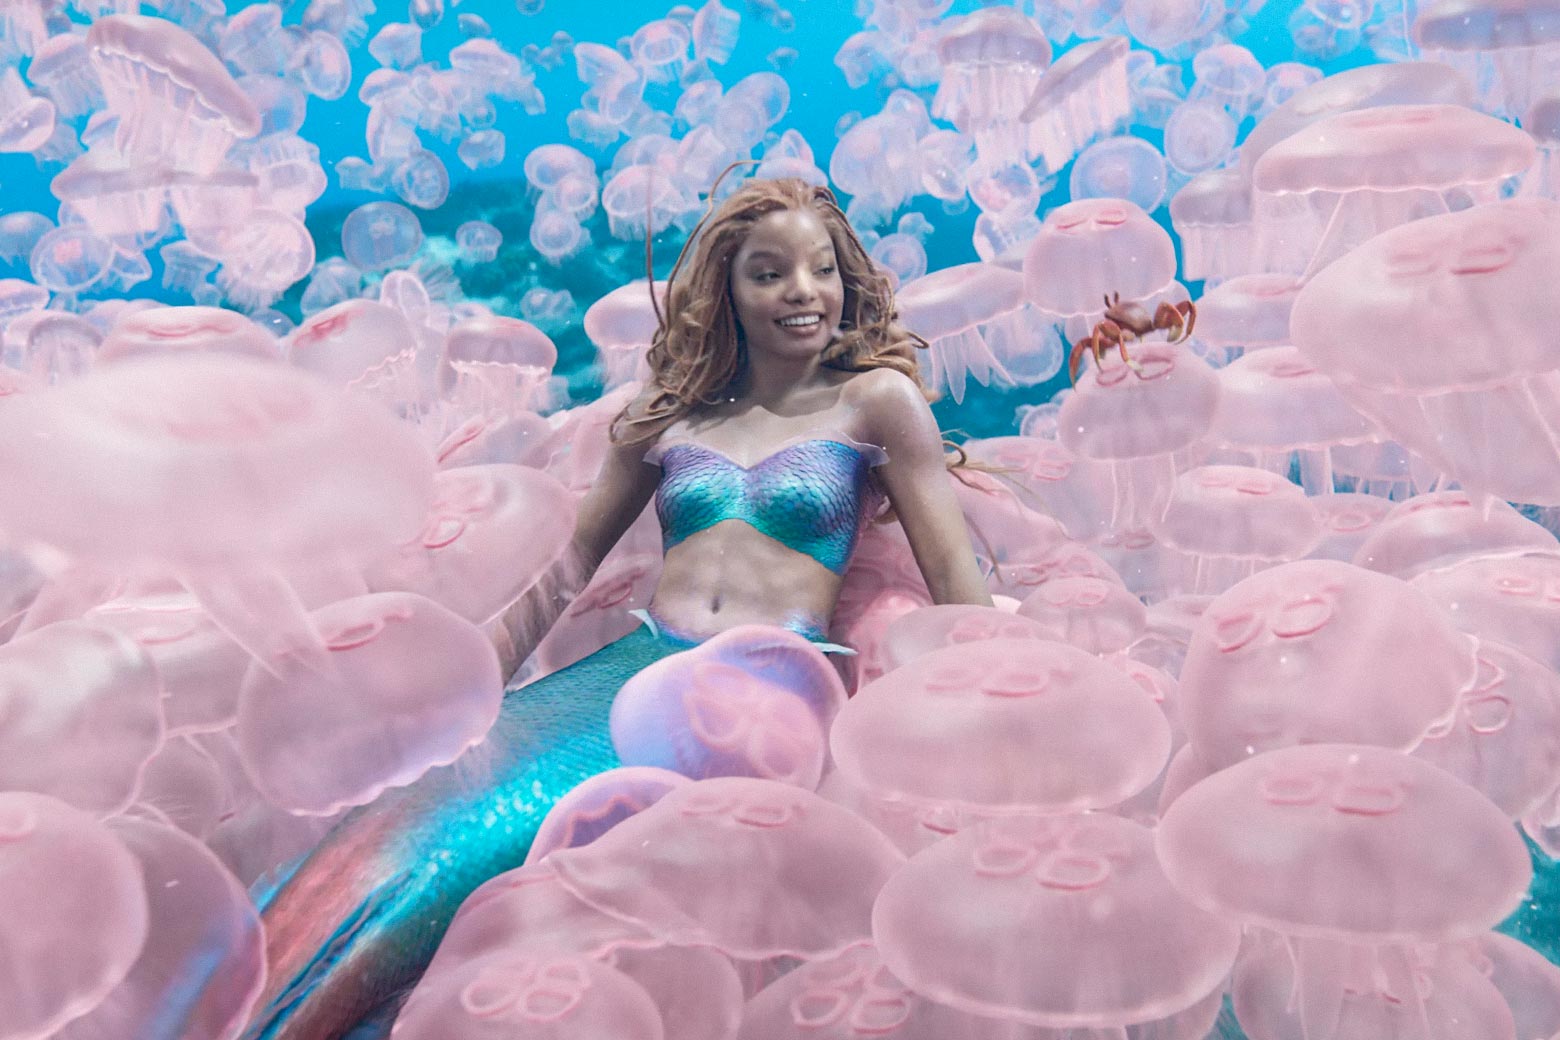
{"points": [[699, 348]]}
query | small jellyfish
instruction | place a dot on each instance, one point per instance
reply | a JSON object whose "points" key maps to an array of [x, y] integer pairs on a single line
{"points": [[29, 121], [421, 180], [1083, 95], [556, 235], [482, 149], [715, 30], [263, 258], [1231, 76], [991, 61], [19, 232], [948, 307], [71, 259], [322, 66], [62, 70], [660, 48], [478, 241], [1199, 136], [379, 235], [397, 46], [1174, 28], [1120, 168], [621, 325]]}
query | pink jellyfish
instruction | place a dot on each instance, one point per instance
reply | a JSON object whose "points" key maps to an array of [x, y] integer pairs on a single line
{"points": [[344, 343], [992, 60], [410, 685], [1122, 168], [594, 807], [1510, 42], [61, 68], [1317, 651], [64, 874], [176, 104], [1093, 248], [177, 330], [478, 241], [924, 629], [621, 325], [1464, 410], [1454, 998], [1513, 600], [1083, 95], [52, 346], [1438, 530], [263, 257], [81, 715], [1140, 421], [1049, 478], [204, 951], [29, 121], [380, 235], [1351, 176], [19, 232], [1274, 405], [1348, 518], [1528, 981], [1248, 312], [1001, 726], [753, 701], [948, 308], [1097, 615], [1043, 922], [753, 868], [1212, 215], [543, 995], [496, 366], [480, 548], [1379, 851]]}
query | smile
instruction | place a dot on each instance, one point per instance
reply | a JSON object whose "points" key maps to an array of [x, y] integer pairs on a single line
{"points": [[801, 321]]}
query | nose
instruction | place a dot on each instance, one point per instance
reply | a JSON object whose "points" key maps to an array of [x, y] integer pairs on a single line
{"points": [[803, 287]]}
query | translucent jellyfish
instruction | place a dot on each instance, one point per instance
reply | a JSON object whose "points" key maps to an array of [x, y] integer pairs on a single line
{"points": [[948, 308], [71, 259], [69, 875], [1052, 479], [496, 366], [1512, 600], [660, 48], [1316, 651], [272, 469], [1438, 530], [29, 121], [556, 235], [62, 70], [594, 807], [621, 325], [51, 346], [19, 232], [1381, 851], [1096, 615], [1462, 410], [1273, 403], [1172, 27], [1199, 137], [1388, 83], [1228, 521], [1508, 47], [1213, 217], [178, 330], [992, 60], [1136, 420], [640, 198], [203, 938], [1528, 981], [176, 104], [750, 867], [83, 716], [1001, 726], [715, 30], [1230, 75], [1347, 520], [544, 995], [479, 549], [1505, 738], [546, 166], [410, 686], [1082, 96], [379, 235], [263, 257], [1120, 168], [1092, 248], [1043, 922], [1454, 997], [1156, 89], [288, 167], [397, 45], [482, 149], [322, 65], [1351, 176], [876, 163], [421, 179], [1284, 80], [19, 298], [753, 701], [358, 344], [1247, 312], [925, 629]]}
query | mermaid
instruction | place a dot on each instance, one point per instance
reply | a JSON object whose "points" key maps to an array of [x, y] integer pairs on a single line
{"points": [[782, 409]]}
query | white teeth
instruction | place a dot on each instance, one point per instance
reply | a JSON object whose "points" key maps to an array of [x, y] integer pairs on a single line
{"points": [[799, 321]]}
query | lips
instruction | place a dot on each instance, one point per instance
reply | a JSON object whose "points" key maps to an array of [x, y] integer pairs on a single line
{"points": [[788, 323]]}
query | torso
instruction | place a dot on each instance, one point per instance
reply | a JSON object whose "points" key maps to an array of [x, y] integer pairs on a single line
{"points": [[731, 573]]}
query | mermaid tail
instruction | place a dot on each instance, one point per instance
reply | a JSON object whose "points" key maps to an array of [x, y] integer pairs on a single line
{"points": [[353, 926]]}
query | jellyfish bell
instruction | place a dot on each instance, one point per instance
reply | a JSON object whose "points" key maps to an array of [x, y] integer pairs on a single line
{"points": [[176, 330], [1089, 249], [621, 325], [1390, 321]]}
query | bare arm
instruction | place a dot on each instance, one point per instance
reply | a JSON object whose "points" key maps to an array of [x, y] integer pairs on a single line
{"points": [[916, 480], [612, 504]]}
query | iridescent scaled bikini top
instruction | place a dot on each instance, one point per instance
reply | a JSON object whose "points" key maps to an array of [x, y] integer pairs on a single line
{"points": [[811, 494]]}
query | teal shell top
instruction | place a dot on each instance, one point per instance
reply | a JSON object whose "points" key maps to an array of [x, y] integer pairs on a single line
{"points": [[811, 495]]}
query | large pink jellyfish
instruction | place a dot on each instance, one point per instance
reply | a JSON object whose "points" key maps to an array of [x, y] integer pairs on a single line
{"points": [[1380, 851], [1093, 248], [345, 343], [1044, 921], [1314, 651], [178, 330], [1509, 47], [1351, 176], [992, 59], [1430, 532], [948, 308], [621, 325], [1392, 321], [496, 366], [1247, 312], [1082, 96], [63, 874], [1212, 214], [1137, 419], [1512, 600], [176, 103]]}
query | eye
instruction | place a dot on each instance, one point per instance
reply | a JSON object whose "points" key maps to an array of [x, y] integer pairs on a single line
{"points": [[826, 269]]}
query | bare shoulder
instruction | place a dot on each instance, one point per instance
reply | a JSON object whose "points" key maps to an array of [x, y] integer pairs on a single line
{"points": [[894, 412]]}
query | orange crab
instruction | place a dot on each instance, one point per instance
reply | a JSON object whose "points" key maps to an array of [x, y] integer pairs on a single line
{"points": [[1130, 320]]}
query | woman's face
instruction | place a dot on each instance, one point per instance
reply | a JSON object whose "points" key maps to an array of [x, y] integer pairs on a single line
{"points": [[786, 287]]}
